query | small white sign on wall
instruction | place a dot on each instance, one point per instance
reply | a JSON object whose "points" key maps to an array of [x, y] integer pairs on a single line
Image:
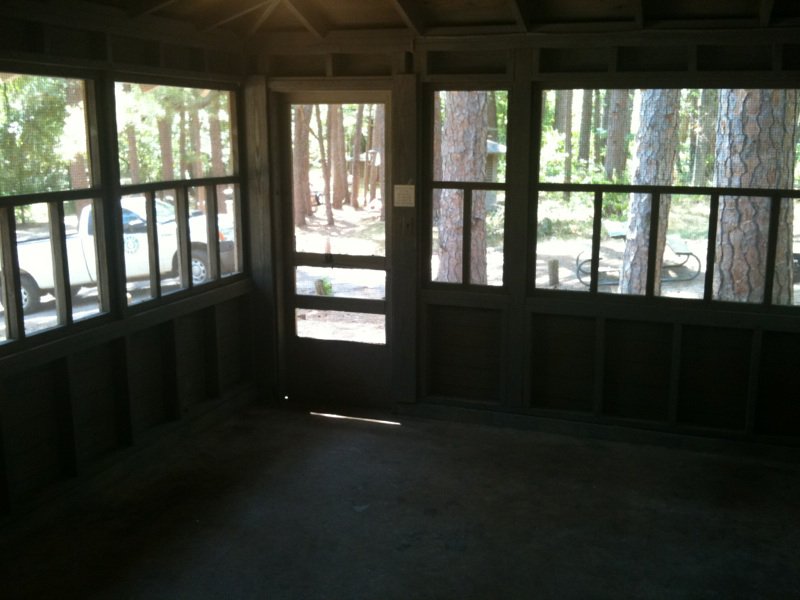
{"points": [[404, 196]]}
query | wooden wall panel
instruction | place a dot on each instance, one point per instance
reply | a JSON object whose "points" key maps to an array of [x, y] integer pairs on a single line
{"points": [[192, 354], [151, 377], [465, 353], [33, 430], [96, 410], [233, 343], [637, 370], [778, 407], [562, 360], [714, 377]]}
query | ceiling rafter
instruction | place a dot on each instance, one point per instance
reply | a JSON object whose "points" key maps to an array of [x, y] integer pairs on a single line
{"points": [[309, 17], [765, 9], [262, 18], [523, 14], [146, 7], [219, 21], [411, 13]]}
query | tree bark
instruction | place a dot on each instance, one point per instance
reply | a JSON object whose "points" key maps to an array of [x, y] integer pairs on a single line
{"points": [[300, 164], [133, 154], [341, 193], [599, 123], [584, 142], [326, 165], [619, 117], [754, 148], [463, 154], [380, 156], [165, 143], [357, 150], [656, 152]]}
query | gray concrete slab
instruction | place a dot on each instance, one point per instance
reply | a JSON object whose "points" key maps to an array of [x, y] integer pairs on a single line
{"points": [[270, 504]]}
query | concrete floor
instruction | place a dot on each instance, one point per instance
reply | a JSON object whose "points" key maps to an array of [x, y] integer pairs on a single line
{"points": [[274, 505]]}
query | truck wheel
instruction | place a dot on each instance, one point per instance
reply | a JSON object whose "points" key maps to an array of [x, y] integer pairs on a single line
{"points": [[30, 292], [200, 271]]}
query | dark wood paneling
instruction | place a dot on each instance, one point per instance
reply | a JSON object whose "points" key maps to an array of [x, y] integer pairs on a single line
{"points": [[192, 354], [653, 58], [93, 388], [21, 36], [233, 343], [714, 375], [778, 408], [150, 378], [574, 60], [328, 373], [465, 353], [734, 58], [562, 362], [33, 430], [468, 63], [637, 370]]}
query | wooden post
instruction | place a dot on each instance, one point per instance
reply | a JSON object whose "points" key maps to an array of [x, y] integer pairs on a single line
{"points": [[552, 271]]}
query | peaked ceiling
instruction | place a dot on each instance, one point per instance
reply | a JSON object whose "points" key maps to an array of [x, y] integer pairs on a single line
{"points": [[251, 20]]}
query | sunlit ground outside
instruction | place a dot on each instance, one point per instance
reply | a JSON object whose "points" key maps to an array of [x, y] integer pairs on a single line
{"points": [[340, 326]]}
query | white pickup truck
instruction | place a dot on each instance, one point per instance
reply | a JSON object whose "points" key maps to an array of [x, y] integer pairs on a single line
{"points": [[34, 251]]}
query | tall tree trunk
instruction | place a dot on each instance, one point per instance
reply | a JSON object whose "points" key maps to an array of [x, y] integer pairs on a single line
{"points": [[568, 143], [300, 164], [599, 123], [657, 150], [357, 150], [341, 193], [165, 143], [586, 127], [184, 152], [437, 152], [215, 133], [563, 106], [378, 144], [133, 154], [463, 159], [196, 161], [326, 165], [619, 116], [754, 148], [368, 163]]}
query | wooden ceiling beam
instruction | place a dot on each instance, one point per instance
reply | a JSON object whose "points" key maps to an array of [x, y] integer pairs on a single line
{"points": [[309, 17], [220, 20], [146, 7], [523, 14], [262, 18], [765, 9], [411, 13]]}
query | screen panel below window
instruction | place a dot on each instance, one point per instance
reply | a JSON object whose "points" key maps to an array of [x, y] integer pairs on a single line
{"points": [[564, 241], [82, 259], [447, 236], [684, 221], [624, 244], [740, 264], [336, 325], [786, 283], [340, 283], [35, 259], [3, 298], [487, 237], [136, 246], [230, 261]]}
